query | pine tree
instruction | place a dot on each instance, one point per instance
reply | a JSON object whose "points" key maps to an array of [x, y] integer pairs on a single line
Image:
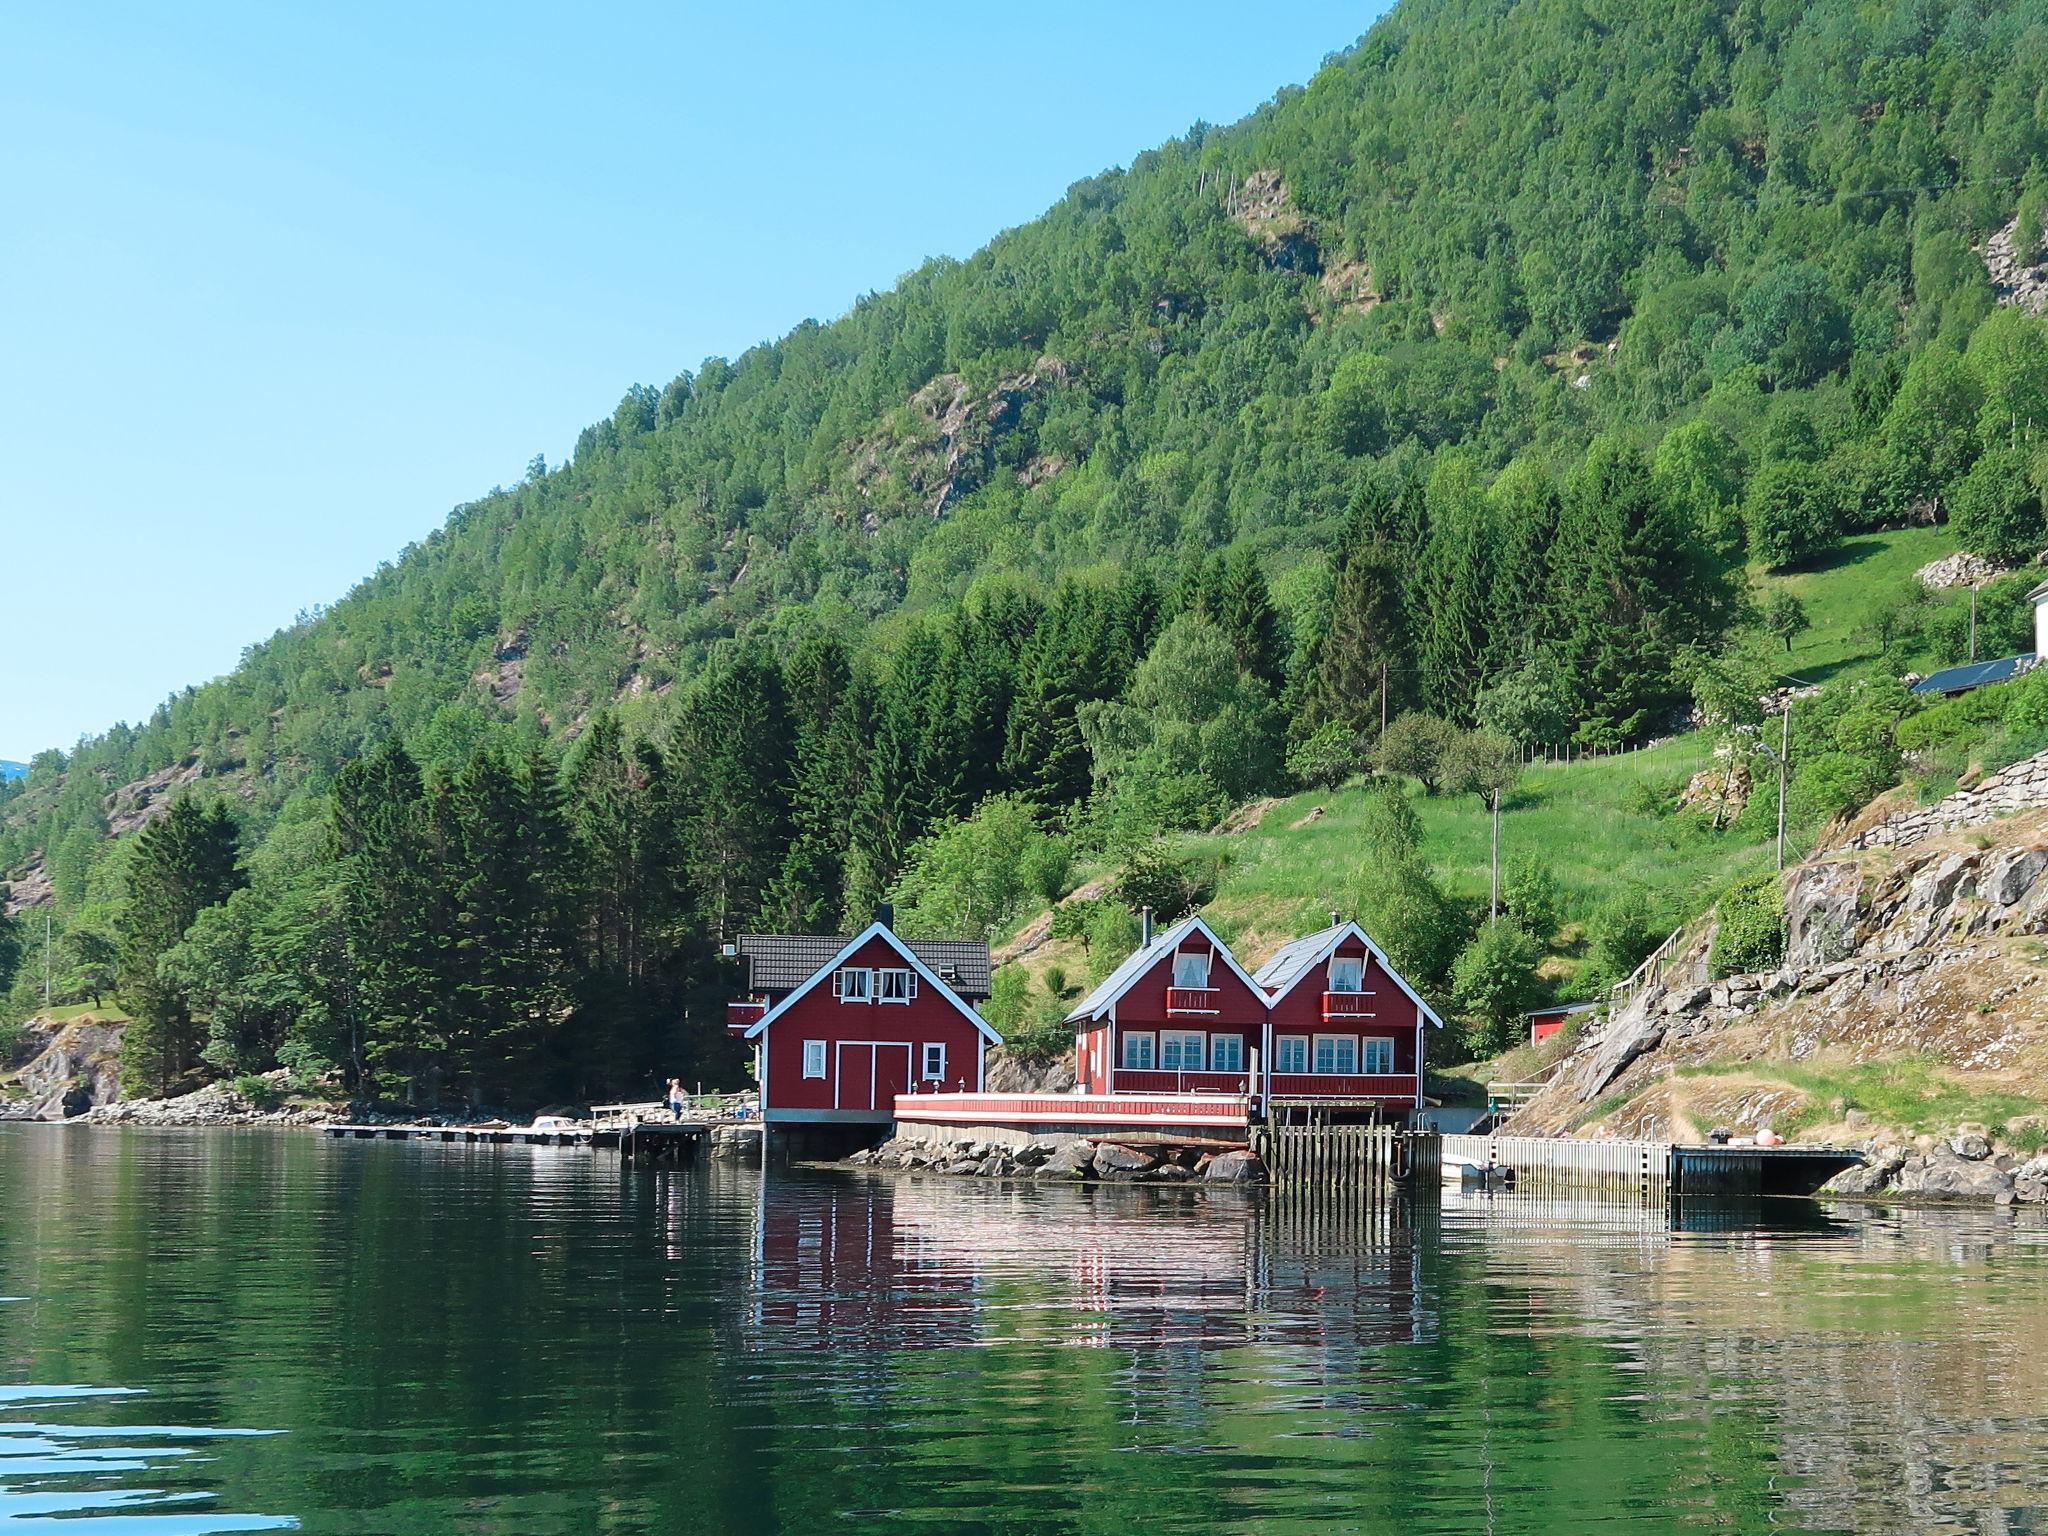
{"points": [[1453, 591], [185, 861], [732, 748], [1245, 613], [395, 913], [1630, 585], [1360, 671], [831, 709]]}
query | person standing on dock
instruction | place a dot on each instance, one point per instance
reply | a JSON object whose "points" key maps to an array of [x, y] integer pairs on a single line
{"points": [[675, 1099]]}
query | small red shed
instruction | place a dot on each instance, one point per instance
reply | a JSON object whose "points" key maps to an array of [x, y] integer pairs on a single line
{"points": [[871, 1017], [1346, 1028], [1180, 1015], [1545, 1022]]}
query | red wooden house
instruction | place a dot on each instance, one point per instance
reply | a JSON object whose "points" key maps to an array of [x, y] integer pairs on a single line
{"points": [[1345, 1029], [840, 1026], [1180, 1015]]}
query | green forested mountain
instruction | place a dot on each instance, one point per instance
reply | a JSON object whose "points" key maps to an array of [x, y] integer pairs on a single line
{"points": [[1468, 379]]}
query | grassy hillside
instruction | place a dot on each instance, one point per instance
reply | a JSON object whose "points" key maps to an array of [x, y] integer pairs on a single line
{"points": [[1502, 370]]}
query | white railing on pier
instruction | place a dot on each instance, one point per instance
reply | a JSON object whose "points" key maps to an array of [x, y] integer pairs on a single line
{"points": [[1633, 1170]]}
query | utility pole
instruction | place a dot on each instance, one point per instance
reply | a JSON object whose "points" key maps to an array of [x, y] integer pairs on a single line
{"points": [[1493, 901], [46, 951], [1973, 621], [1383, 698], [1784, 752]]}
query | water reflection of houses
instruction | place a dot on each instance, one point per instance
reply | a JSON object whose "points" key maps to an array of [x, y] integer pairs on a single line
{"points": [[910, 1263]]}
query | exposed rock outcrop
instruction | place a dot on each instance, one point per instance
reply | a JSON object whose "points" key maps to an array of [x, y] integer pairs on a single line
{"points": [[1931, 952], [66, 1069], [1007, 1071]]}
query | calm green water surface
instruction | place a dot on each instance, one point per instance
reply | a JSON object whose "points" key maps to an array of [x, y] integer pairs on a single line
{"points": [[225, 1331]]}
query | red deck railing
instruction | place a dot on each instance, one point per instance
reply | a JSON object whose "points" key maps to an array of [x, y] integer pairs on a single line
{"points": [[1380, 1087], [743, 1015], [1348, 1005], [1156, 1080], [1192, 1000]]}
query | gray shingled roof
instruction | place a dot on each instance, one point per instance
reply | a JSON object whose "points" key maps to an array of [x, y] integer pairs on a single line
{"points": [[1134, 963], [1290, 960], [782, 962]]}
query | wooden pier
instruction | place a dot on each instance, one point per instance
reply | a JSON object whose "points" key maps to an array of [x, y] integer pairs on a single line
{"points": [[1347, 1156], [672, 1142]]}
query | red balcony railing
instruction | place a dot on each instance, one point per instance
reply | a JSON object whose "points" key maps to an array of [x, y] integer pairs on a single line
{"points": [[1347, 1005], [1158, 1080], [1192, 999], [743, 1015], [1358, 1087]]}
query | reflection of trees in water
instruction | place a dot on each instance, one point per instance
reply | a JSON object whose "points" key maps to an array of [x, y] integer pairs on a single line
{"points": [[1891, 1366]]}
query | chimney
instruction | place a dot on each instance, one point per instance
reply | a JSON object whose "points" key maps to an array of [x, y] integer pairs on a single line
{"points": [[1336, 918], [1145, 927], [885, 914]]}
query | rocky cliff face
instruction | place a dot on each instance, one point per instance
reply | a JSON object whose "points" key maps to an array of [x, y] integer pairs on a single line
{"points": [[1933, 952], [66, 1069]]}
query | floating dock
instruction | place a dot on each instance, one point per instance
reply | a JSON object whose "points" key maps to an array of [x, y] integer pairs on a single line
{"points": [[649, 1141]]}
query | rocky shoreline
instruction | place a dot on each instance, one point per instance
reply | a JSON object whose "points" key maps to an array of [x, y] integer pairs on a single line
{"points": [[1068, 1158], [1965, 1169]]}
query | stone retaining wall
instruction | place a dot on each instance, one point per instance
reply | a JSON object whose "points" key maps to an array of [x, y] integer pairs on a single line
{"points": [[2022, 787]]}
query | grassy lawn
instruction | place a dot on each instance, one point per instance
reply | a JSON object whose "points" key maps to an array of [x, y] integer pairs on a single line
{"points": [[1913, 1094], [1583, 820], [109, 1013], [1838, 590]]}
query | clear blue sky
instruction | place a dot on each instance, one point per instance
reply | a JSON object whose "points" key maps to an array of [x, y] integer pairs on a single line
{"points": [[283, 288]]}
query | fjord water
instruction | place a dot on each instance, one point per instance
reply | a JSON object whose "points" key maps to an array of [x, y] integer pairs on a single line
{"points": [[235, 1331]]}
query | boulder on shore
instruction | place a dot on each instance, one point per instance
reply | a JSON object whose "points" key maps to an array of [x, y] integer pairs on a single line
{"points": [[1234, 1168], [1113, 1161]]}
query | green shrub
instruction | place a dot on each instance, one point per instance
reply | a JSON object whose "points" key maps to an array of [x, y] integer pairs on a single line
{"points": [[1622, 932], [1963, 720], [1751, 931], [258, 1090], [1331, 755], [1171, 884], [1494, 984], [1534, 898]]}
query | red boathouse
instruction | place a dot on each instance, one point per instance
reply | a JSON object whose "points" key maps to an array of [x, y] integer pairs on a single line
{"points": [[1345, 1027], [1180, 1015], [841, 1026]]}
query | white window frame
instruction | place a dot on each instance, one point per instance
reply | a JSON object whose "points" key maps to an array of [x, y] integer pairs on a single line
{"points": [[1123, 1051], [1340, 1047], [814, 1058], [1347, 967], [1375, 1049], [1231, 1045], [1290, 1053], [899, 979], [844, 988], [931, 1065], [1192, 957], [1184, 1040]]}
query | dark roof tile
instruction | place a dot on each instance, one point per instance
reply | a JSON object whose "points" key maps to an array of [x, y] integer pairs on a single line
{"points": [[782, 962]]}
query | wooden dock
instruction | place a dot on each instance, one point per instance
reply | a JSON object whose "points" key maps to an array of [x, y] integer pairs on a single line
{"points": [[635, 1140], [1347, 1156]]}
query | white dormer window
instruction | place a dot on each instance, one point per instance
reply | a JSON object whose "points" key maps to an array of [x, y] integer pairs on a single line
{"points": [[1190, 968], [854, 984], [1347, 973], [896, 986]]}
